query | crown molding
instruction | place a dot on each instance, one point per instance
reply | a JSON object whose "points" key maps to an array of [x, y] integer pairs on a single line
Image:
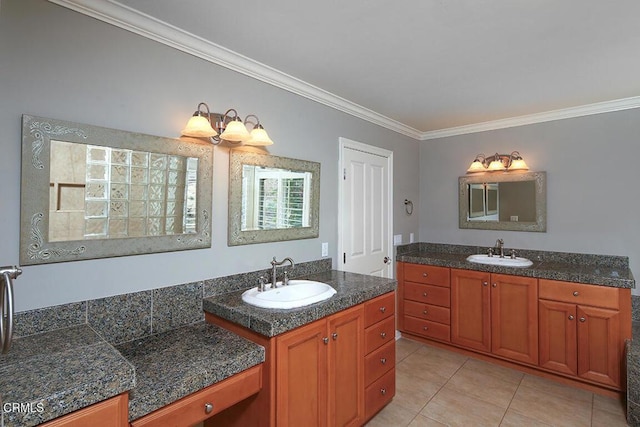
{"points": [[565, 113], [121, 16], [129, 19]]}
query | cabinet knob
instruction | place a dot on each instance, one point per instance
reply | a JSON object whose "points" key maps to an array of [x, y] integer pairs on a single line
{"points": [[495, 285], [425, 328], [425, 312], [334, 336], [383, 391], [571, 317], [582, 319], [485, 283], [325, 340], [208, 408], [383, 335], [383, 309], [383, 360], [424, 294], [576, 293], [425, 274]]}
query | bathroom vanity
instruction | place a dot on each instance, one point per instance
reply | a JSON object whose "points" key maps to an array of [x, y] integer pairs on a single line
{"points": [[566, 316]]}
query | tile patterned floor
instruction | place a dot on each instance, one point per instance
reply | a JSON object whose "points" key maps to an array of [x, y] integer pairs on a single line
{"points": [[436, 387]]}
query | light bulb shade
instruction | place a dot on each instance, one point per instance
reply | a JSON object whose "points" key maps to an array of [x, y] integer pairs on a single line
{"points": [[259, 137], [235, 131], [476, 166], [518, 164], [496, 165], [199, 127]]}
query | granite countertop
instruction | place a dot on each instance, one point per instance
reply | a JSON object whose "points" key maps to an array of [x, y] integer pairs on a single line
{"points": [[206, 353], [603, 271], [352, 289], [59, 372]]}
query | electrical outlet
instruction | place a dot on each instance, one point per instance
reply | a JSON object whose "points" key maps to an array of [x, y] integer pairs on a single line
{"points": [[325, 249], [412, 238], [514, 218], [397, 239]]}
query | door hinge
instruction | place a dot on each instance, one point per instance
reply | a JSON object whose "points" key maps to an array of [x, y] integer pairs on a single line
{"points": [[344, 174], [344, 257]]}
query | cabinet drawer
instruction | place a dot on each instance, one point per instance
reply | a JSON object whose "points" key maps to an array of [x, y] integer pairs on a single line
{"points": [[427, 274], [578, 293], [379, 362], [379, 393], [426, 311], [379, 334], [379, 308], [192, 409], [435, 295], [113, 412], [426, 328]]}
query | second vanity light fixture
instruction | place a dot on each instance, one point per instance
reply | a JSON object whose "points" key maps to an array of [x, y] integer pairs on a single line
{"points": [[498, 162], [228, 127]]}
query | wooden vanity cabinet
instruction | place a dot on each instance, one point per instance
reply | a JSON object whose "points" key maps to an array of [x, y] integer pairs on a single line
{"points": [[495, 313], [583, 329], [320, 372], [113, 412]]}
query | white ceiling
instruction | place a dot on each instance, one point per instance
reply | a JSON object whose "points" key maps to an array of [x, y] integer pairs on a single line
{"points": [[422, 66]]}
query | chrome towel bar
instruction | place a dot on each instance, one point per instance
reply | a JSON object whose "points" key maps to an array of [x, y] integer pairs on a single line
{"points": [[7, 275]]}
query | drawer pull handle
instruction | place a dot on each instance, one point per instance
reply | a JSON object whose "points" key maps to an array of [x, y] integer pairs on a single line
{"points": [[334, 336], [576, 293], [582, 319], [425, 328], [571, 317], [425, 274], [383, 360], [383, 309], [425, 312], [383, 391], [208, 408], [383, 335], [424, 294]]}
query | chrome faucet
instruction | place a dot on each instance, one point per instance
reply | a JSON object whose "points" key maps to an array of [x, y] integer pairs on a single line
{"points": [[500, 247], [274, 274]]}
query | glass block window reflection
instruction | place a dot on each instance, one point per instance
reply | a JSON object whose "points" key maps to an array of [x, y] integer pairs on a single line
{"points": [[133, 193]]}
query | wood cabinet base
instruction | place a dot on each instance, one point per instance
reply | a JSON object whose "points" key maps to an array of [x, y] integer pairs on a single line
{"points": [[112, 412]]}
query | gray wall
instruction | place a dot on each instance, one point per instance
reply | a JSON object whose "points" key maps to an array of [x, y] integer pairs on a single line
{"points": [[59, 64], [593, 200]]}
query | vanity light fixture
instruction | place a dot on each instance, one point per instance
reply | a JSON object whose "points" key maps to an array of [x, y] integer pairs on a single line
{"points": [[228, 127], [498, 162]]}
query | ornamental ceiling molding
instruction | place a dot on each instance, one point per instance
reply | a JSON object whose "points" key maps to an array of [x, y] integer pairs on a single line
{"points": [[121, 16]]}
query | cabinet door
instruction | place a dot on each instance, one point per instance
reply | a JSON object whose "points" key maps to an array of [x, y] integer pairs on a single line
{"points": [[301, 376], [346, 368], [599, 351], [470, 309], [558, 340], [514, 317], [112, 412]]}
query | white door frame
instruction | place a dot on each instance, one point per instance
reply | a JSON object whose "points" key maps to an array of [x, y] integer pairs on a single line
{"points": [[354, 145]]}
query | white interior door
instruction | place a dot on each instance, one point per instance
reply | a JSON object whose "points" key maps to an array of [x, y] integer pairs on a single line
{"points": [[365, 209]]}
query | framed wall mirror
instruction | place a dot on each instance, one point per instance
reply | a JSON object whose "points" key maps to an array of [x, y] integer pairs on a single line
{"points": [[92, 192], [514, 201], [272, 198]]}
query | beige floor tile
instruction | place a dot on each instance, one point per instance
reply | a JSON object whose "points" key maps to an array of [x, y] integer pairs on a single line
{"points": [[427, 360], [422, 421], [413, 392], [458, 409], [547, 407], [392, 415], [610, 404], [482, 385], [556, 388], [603, 418], [405, 347], [501, 372], [515, 419]]}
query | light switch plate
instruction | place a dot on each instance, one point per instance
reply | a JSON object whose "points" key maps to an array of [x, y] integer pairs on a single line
{"points": [[412, 238], [325, 249], [397, 239]]}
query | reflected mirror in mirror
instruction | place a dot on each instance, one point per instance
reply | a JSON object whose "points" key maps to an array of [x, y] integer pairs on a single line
{"points": [[272, 198], [92, 192], [504, 201]]}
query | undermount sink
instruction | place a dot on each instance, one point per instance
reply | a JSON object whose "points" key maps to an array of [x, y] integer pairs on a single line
{"points": [[297, 293], [496, 260]]}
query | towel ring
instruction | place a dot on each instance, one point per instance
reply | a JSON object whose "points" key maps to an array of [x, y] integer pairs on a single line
{"points": [[408, 206]]}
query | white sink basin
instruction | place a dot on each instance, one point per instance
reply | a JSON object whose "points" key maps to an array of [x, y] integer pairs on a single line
{"points": [[496, 260], [297, 293]]}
